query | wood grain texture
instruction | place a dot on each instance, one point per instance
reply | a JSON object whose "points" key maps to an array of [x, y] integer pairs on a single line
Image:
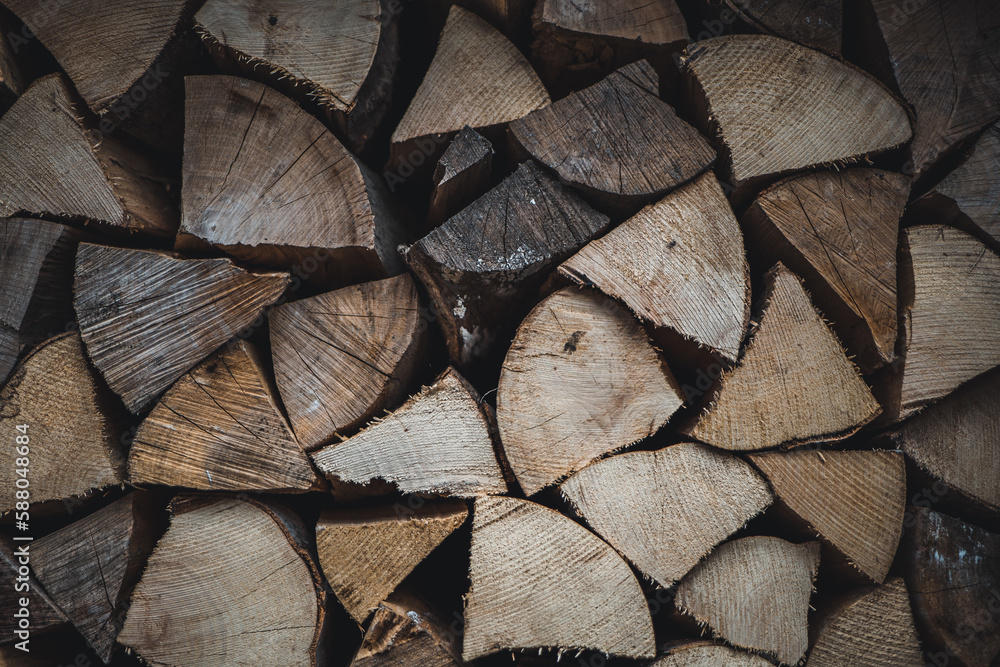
{"points": [[793, 384], [482, 266], [665, 510], [810, 22], [853, 499], [541, 580], [870, 627], [219, 428], [53, 167], [55, 393], [461, 175], [838, 231], [45, 614], [780, 106], [678, 263], [12, 80], [708, 654], [580, 380], [407, 631], [146, 317], [365, 554], [249, 593], [342, 357], [477, 78], [659, 22], [754, 593], [438, 442]]}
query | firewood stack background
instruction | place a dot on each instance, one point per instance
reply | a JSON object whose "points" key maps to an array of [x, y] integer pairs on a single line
{"points": [[586, 332]]}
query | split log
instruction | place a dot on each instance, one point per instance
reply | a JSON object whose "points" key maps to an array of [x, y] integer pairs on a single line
{"points": [[483, 265], [794, 383], [956, 440], [52, 167], [11, 78], [17, 582], [365, 554], [36, 282], [90, 566], [616, 140], [343, 357], [678, 263], [941, 55], [854, 500], [147, 317], [74, 446], [541, 580], [838, 231], [581, 380], [437, 442], [252, 156], [407, 631], [250, 592], [868, 627], [461, 175], [708, 654], [777, 106], [952, 571], [754, 593], [219, 428], [665, 510], [808, 22]]}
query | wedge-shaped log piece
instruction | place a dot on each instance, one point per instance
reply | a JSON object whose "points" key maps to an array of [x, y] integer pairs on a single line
{"points": [[839, 230], [71, 429], [437, 442], [580, 380], [659, 22], [45, 614], [665, 510], [952, 571], [754, 593], [366, 554], [477, 78], [956, 439], [406, 630], [868, 627], [854, 499], [678, 263], [811, 22], [794, 383], [482, 266], [250, 593], [90, 566], [616, 140], [219, 428], [147, 317], [12, 80], [541, 580], [268, 183], [780, 106], [461, 175], [51, 166], [708, 654]]}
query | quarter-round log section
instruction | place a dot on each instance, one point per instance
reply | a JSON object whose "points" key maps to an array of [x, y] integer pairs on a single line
{"points": [[811, 22], [708, 654], [794, 383], [231, 582], [580, 380], [541, 580], [407, 631]]}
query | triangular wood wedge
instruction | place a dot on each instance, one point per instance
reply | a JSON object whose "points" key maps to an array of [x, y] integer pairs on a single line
{"points": [[477, 78], [366, 554], [542, 580], [794, 383], [869, 627], [461, 175], [854, 499], [250, 593], [71, 428], [708, 654], [52, 166], [956, 439], [659, 22], [482, 265], [754, 593], [407, 631], [616, 139], [779, 106], [580, 380], [90, 566], [147, 317], [343, 357], [437, 442], [678, 263], [665, 510], [44, 613], [811, 22], [253, 157], [219, 428], [839, 231]]}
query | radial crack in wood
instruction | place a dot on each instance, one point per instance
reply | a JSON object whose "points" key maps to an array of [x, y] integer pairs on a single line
{"points": [[462, 174], [408, 631], [810, 22], [708, 654]]}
